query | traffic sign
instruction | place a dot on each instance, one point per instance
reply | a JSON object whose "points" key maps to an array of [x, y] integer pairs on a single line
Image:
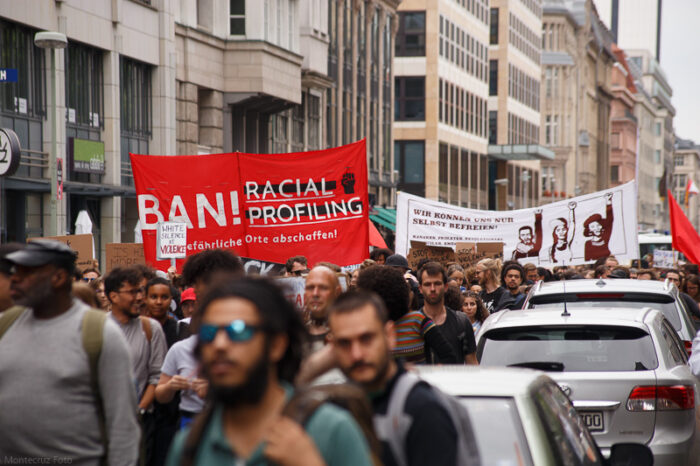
{"points": [[9, 152]]}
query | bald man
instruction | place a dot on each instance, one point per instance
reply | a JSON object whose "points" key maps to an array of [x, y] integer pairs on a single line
{"points": [[321, 289]]}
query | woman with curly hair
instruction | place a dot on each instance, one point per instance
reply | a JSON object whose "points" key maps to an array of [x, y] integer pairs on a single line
{"points": [[474, 308]]}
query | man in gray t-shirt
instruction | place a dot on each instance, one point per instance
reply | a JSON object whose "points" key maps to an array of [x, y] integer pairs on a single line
{"points": [[147, 351], [48, 406]]}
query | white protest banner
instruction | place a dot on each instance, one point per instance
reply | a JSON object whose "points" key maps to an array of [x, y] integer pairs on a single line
{"points": [[665, 259], [171, 240], [574, 231]]}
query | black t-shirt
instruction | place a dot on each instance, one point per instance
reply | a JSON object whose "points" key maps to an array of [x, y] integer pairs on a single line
{"points": [[458, 332], [491, 299]]}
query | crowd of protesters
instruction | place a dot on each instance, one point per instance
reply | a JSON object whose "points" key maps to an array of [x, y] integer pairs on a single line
{"points": [[213, 367]]}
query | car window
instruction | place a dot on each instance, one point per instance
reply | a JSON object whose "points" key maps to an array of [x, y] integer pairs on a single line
{"points": [[672, 344], [498, 430], [664, 303], [568, 437], [587, 348]]}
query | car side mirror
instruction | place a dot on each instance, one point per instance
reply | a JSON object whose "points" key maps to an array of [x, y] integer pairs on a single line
{"points": [[629, 454]]}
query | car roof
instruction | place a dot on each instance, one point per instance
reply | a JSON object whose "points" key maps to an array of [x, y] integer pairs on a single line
{"points": [[578, 315], [611, 285], [481, 381]]}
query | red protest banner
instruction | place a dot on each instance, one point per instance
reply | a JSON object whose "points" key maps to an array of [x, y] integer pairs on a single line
{"points": [[262, 206]]}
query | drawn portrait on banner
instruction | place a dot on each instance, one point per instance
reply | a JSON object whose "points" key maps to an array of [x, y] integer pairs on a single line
{"points": [[563, 231], [529, 243], [598, 229]]}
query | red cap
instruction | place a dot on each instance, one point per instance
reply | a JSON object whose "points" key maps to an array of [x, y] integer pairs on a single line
{"points": [[188, 295]]}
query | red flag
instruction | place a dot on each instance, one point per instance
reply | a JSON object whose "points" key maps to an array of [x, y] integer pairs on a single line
{"points": [[683, 236], [375, 238], [267, 207]]}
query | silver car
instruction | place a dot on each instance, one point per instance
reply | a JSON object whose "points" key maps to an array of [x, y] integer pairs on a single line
{"points": [[625, 370], [521, 417], [617, 293]]}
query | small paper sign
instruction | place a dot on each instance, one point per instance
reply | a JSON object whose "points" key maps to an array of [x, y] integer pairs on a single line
{"points": [[171, 240]]}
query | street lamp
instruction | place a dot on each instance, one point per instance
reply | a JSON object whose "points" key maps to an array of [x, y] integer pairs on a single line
{"points": [[52, 41], [499, 182]]}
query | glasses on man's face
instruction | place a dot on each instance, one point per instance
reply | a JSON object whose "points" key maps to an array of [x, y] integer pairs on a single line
{"points": [[87, 279], [299, 273], [238, 331], [133, 292]]}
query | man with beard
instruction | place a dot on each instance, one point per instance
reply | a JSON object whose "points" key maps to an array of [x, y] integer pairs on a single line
{"points": [[454, 326], [61, 396], [249, 348], [513, 275], [488, 272], [320, 290], [363, 338], [146, 344]]}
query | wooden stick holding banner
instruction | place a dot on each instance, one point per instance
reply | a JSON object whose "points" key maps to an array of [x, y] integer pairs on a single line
{"points": [[171, 241]]}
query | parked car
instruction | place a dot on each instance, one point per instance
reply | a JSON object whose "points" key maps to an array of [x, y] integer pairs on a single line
{"points": [[521, 417], [624, 369], [613, 293]]}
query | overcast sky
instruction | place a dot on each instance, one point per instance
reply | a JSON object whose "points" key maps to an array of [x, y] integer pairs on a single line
{"points": [[680, 38]]}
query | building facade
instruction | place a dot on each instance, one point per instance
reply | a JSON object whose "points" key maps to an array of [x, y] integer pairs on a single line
{"points": [[186, 77], [686, 167], [114, 93], [623, 125], [441, 101], [656, 132], [577, 67], [515, 50]]}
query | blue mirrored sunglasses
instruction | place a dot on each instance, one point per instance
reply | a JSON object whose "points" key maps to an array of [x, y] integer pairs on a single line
{"points": [[237, 331]]}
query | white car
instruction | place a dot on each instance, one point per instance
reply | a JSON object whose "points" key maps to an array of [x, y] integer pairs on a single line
{"points": [[625, 371], [521, 417]]}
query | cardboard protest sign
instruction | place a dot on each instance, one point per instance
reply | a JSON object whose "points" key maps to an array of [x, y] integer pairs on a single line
{"points": [[570, 232], [420, 251], [261, 206], [82, 244], [123, 255]]}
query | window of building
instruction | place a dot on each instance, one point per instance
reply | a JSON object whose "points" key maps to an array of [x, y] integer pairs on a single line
{"points": [[237, 17], [493, 77], [657, 156], [615, 140], [658, 129], [136, 112], [409, 161], [493, 36], [409, 98], [27, 95], [443, 162], [493, 127], [678, 160], [614, 173], [297, 142], [314, 118], [410, 39], [84, 86], [279, 129]]}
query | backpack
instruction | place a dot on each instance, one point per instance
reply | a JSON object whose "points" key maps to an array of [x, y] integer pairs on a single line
{"points": [[92, 328], [393, 426]]}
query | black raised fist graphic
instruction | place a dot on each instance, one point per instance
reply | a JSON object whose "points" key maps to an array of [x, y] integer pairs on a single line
{"points": [[348, 183]]}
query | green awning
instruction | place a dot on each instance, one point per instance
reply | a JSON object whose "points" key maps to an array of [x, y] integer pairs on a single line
{"points": [[384, 217]]}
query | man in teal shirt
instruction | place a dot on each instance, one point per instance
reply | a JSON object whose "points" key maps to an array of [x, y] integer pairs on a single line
{"points": [[250, 346]]}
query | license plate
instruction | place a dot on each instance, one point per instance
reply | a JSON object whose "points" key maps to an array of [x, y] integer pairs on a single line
{"points": [[593, 420]]}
